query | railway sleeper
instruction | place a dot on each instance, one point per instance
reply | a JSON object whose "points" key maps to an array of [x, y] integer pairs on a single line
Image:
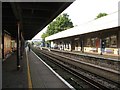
{"points": [[103, 72], [79, 75]]}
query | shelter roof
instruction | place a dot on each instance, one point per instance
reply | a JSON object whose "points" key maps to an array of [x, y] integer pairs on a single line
{"points": [[33, 16], [106, 22]]}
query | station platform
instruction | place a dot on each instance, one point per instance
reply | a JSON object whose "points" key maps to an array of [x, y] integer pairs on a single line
{"points": [[105, 56], [11, 78], [34, 73], [96, 55]]}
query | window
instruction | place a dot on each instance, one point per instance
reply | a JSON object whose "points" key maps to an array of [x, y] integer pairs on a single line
{"points": [[113, 41], [108, 42], [93, 42], [88, 42], [76, 43]]}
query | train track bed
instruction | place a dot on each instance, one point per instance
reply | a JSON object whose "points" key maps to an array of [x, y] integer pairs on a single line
{"points": [[100, 61], [66, 75], [97, 81]]}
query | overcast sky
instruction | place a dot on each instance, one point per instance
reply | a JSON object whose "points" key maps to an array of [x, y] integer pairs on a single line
{"points": [[83, 11]]}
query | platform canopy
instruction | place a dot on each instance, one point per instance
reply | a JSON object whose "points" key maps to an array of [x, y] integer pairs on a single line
{"points": [[33, 16], [104, 23]]}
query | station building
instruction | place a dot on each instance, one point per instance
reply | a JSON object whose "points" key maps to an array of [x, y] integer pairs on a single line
{"points": [[101, 36], [10, 44]]}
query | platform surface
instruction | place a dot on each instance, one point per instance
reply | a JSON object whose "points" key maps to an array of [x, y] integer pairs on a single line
{"points": [[41, 75], [11, 78], [96, 55]]}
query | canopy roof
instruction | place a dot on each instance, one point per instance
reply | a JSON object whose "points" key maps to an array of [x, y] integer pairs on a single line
{"points": [[33, 16], [106, 22]]}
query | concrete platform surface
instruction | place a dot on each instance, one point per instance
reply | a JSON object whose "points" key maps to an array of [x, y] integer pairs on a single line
{"points": [[11, 78], [33, 70], [42, 76]]}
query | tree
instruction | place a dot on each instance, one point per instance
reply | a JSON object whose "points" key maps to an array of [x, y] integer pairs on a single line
{"points": [[61, 23], [101, 15], [44, 35]]}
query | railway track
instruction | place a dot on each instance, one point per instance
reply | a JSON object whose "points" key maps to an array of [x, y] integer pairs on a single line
{"points": [[67, 67], [99, 61], [107, 73]]}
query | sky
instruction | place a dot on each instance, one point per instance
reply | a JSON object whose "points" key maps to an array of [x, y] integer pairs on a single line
{"points": [[84, 11]]}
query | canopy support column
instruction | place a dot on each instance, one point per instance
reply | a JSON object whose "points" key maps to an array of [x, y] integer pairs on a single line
{"points": [[118, 41], [18, 46], [3, 45]]}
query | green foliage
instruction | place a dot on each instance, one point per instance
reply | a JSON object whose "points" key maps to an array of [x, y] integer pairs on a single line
{"points": [[61, 23], [44, 35], [101, 15], [37, 43]]}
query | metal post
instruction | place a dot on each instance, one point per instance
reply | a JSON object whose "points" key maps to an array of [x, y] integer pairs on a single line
{"points": [[82, 44], [101, 46], [63, 45], [71, 44], [22, 45], [1, 41], [18, 46], [118, 41], [2, 44]]}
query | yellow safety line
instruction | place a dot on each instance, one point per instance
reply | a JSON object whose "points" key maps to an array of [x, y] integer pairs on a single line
{"points": [[28, 72]]}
